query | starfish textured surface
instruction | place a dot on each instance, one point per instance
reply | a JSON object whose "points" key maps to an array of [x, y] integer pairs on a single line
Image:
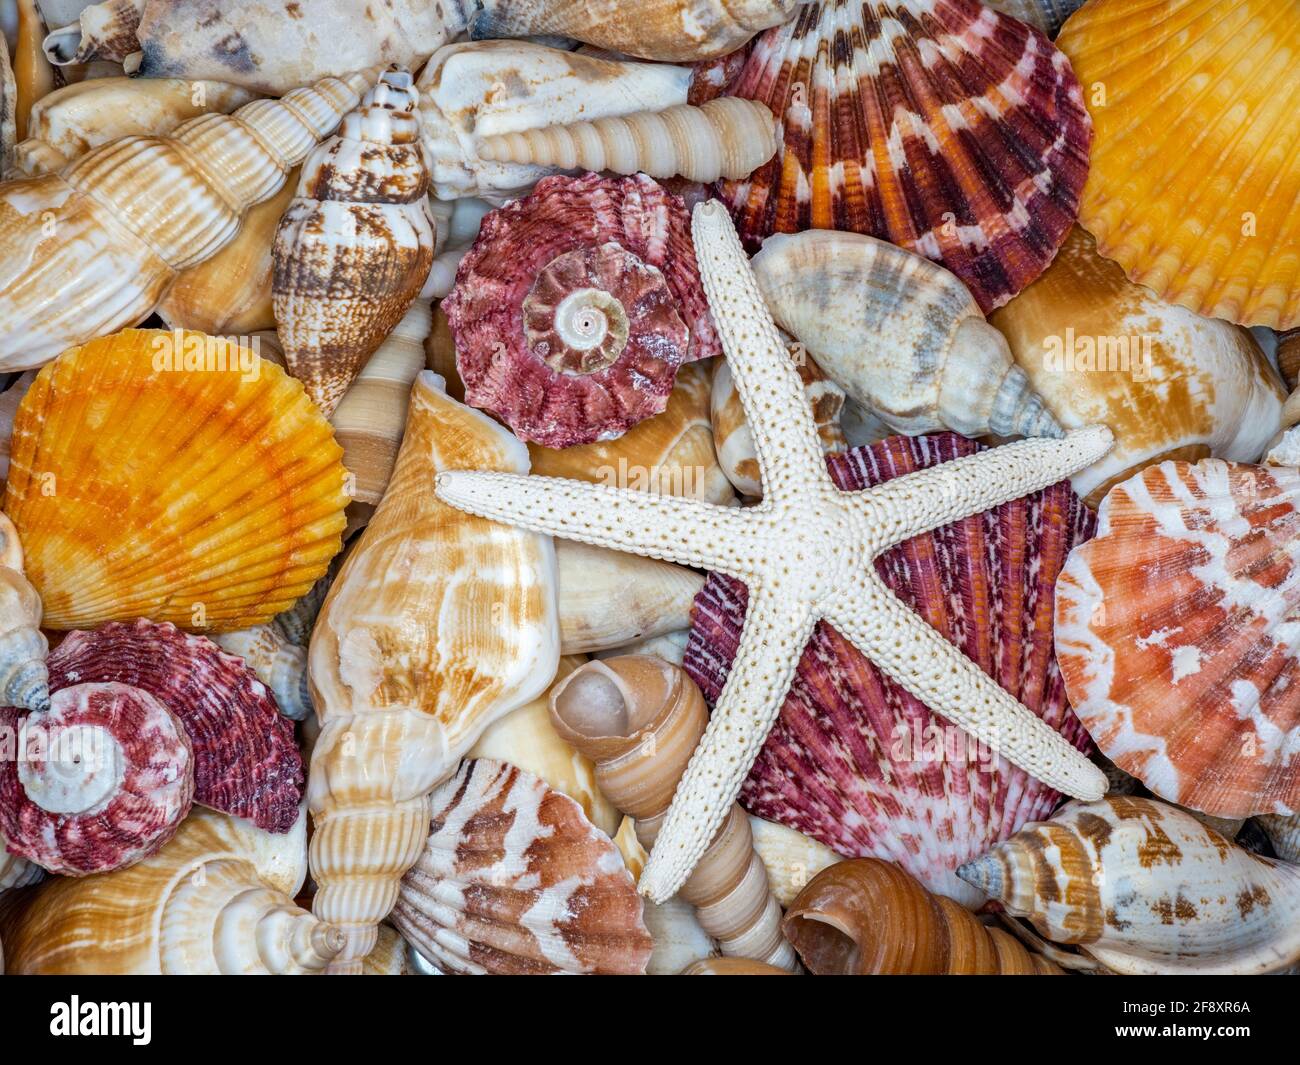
{"points": [[806, 552]]}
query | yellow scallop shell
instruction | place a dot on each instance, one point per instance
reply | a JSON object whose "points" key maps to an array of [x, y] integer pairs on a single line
{"points": [[172, 476], [1195, 180]]}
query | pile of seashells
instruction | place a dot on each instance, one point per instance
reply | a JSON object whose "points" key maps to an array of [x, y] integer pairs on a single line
{"points": [[650, 486]]}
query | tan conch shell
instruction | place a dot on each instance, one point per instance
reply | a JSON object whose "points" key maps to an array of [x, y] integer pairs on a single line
{"points": [[488, 88], [231, 292], [639, 719], [24, 680], [94, 247], [371, 417], [1146, 888], [678, 31], [32, 71], [724, 138], [527, 739], [102, 31], [1168, 383], [608, 598], [218, 898], [792, 859], [438, 624], [671, 453], [735, 444], [868, 917], [900, 334], [76, 118], [279, 664], [355, 245]]}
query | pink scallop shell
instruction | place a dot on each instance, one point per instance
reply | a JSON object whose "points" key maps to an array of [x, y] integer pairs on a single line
{"points": [[854, 760], [155, 794], [246, 762], [626, 236]]}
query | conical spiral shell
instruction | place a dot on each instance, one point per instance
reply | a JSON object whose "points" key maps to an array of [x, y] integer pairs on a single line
{"points": [[355, 245], [76, 118], [1146, 888], [671, 30], [93, 248], [640, 719], [724, 138], [900, 334], [438, 624], [217, 899], [140, 489], [24, 679], [867, 917]]}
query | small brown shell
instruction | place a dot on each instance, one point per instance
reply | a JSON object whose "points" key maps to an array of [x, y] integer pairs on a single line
{"points": [[515, 880]]}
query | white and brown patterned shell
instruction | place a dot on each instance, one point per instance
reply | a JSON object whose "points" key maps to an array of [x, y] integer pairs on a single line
{"points": [[515, 880]]}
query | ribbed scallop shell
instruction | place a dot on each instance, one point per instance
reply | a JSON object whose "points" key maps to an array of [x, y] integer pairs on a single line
{"points": [[859, 764], [99, 781], [1176, 634], [941, 126], [515, 880], [1195, 185], [576, 306], [201, 497], [246, 762]]}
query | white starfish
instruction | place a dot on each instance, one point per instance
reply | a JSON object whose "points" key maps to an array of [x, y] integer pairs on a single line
{"points": [[805, 552]]}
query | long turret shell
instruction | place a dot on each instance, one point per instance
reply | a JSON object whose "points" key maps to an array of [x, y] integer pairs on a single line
{"points": [[672, 30], [24, 679], [438, 624], [725, 138], [488, 88], [868, 917], [217, 899], [639, 719], [76, 118], [1146, 888], [94, 247], [355, 245], [900, 334]]}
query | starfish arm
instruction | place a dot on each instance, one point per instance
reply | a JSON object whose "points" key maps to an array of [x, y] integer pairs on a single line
{"points": [[780, 421], [914, 655], [771, 644], [679, 530], [918, 502]]}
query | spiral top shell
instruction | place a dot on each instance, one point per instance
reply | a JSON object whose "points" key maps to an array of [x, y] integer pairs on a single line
{"points": [[938, 125]]}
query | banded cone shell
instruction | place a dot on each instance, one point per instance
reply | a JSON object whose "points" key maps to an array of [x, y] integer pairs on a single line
{"points": [[514, 880], [724, 138], [866, 917], [245, 760], [1145, 888], [486, 89], [24, 678], [900, 334], [279, 664], [1174, 639], [217, 899], [1101, 350], [103, 31], [736, 451], [76, 118], [858, 764], [371, 417], [639, 719], [671, 30], [94, 248], [99, 781], [139, 490], [941, 126], [355, 245], [1196, 163], [438, 624]]}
